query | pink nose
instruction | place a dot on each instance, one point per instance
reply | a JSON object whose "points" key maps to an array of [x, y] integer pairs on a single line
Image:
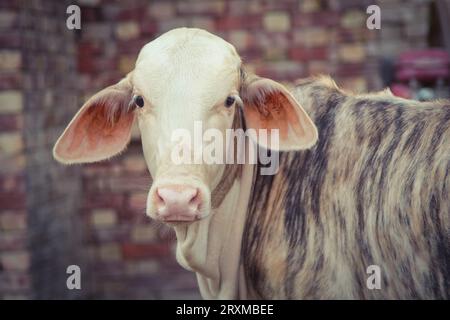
{"points": [[178, 203]]}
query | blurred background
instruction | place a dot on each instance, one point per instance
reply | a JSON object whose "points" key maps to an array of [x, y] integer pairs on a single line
{"points": [[53, 216]]}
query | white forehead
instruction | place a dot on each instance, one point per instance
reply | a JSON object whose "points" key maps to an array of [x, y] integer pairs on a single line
{"points": [[188, 58]]}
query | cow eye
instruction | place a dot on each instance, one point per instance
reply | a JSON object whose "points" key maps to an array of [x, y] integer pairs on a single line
{"points": [[139, 101], [229, 102]]}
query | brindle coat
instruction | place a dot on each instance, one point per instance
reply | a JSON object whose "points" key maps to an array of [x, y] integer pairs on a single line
{"points": [[374, 190]]}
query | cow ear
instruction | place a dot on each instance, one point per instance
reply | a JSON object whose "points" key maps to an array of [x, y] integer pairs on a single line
{"points": [[100, 129], [269, 105]]}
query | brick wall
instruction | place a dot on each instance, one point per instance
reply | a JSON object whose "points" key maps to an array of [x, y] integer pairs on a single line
{"points": [[15, 280], [52, 216], [39, 199]]}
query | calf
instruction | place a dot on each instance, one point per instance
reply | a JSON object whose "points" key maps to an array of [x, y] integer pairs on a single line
{"points": [[372, 190]]}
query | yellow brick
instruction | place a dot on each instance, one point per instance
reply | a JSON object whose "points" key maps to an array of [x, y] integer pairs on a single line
{"points": [[352, 53], [110, 252], [240, 39], [161, 9], [142, 267], [356, 84], [144, 233], [127, 30], [10, 60], [277, 21], [202, 23], [312, 37], [126, 64], [354, 19], [12, 221], [11, 101], [10, 143], [15, 261], [308, 6], [103, 217]]}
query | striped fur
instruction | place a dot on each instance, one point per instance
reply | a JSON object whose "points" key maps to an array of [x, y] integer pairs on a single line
{"points": [[375, 190]]}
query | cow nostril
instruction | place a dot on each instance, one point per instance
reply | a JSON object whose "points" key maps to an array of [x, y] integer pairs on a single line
{"points": [[195, 200], [169, 196], [159, 199]]}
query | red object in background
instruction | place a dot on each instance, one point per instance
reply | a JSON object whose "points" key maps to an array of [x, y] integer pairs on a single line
{"points": [[422, 75], [422, 65], [401, 90]]}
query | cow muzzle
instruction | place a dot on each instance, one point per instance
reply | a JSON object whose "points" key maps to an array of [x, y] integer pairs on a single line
{"points": [[172, 203]]}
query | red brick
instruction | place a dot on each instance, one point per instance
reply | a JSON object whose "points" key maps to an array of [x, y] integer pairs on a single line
{"points": [[135, 164], [133, 14], [323, 19], [304, 54], [104, 168], [11, 81], [349, 69], [12, 240], [85, 65], [15, 281], [11, 122], [144, 250], [210, 7], [12, 183], [138, 202], [148, 28], [118, 234], [132, 46], [91, 14], [11, 4], [105, 200], [129, 182], [132, 216], [87, 49], [238, 22], [12, 200], [112, 269], [10, 39], [104, 63]]}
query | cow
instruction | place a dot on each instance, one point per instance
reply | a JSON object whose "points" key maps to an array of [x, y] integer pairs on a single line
{"points": [[363, 180]]}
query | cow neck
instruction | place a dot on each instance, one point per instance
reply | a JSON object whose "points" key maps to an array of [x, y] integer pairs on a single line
{"points": [[211, 247]]}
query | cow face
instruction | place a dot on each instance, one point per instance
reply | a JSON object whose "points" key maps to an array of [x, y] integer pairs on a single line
{"points": [[184, 80]]}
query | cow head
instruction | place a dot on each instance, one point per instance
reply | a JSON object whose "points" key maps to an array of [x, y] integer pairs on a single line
{"points": [[183, 78]]}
